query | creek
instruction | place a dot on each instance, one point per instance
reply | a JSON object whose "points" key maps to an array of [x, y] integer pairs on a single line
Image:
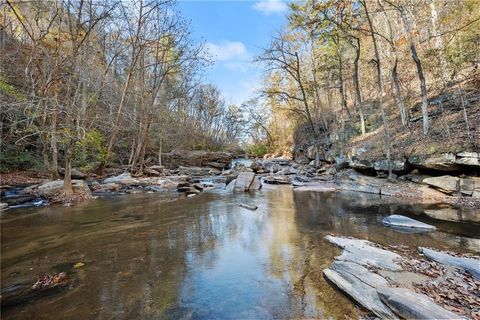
{"points": [[148, 256]]}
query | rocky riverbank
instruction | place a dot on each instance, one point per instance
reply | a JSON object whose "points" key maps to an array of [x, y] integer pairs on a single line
{"points": [[413, 185], [397, 283]]}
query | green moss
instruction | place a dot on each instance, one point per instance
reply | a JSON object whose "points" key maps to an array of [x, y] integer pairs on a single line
{"points": [[10, 90]]}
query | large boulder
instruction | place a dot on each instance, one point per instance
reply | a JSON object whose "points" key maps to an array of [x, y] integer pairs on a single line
{"points": [[341, 162], [124, 178], [398, 166], [51, 188], [469, 184], [105, 187], [75, 174], [447, 184], [443, 162], [277, 179], [246, 181], [350, 180], [311, 153], [469, 159], [360, 165]]}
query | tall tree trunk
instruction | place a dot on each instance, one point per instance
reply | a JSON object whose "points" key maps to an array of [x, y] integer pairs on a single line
{"points": [[439, 43], [54, 144], [67, 181], [379, 88], [398, 94], [307, 109], [113, 137], [43, 106], [341, 87], [421, 77], [356, 81], [160, 145]]}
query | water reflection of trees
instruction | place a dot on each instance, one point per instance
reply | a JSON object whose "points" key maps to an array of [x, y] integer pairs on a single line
{"points": [[146, 258]]}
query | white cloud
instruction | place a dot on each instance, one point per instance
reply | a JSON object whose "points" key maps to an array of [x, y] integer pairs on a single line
{"points": [[269, 7], [238, 66], [228, 50]]}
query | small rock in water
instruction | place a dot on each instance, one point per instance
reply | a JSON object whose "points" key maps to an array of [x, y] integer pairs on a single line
{"points": [[248, 206], [405, 222]]}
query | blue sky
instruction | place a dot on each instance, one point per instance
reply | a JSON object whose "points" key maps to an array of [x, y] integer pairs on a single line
{"points": [[234, 33]]}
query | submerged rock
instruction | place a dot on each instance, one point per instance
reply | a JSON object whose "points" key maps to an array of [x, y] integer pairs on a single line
{"points": [[405, 222], [248, 206], [410, 305], [471, 265]]}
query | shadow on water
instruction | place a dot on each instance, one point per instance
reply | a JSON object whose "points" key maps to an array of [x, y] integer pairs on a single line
{"points": [[202, 257]]}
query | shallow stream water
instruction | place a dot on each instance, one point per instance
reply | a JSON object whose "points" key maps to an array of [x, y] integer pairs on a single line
{"points": [[202, 257]]}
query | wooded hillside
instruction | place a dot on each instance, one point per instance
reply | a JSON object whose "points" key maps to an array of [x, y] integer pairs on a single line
{"points": [[399, 75], [94, 83]]}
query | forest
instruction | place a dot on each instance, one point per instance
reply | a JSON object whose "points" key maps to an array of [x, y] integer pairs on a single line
{"points": [[401, 75], [91, 84], [95, 84]]}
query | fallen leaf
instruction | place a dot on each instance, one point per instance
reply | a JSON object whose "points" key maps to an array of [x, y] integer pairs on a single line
{"points": [[78, 265]]}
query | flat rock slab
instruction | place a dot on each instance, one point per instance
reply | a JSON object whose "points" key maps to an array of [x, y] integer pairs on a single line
{"points": [[446, 183], [318, 187], [405, 222], [248, 206], [361, 292], [366, 253], [410, 305], [471, 265], [360, 272]]}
